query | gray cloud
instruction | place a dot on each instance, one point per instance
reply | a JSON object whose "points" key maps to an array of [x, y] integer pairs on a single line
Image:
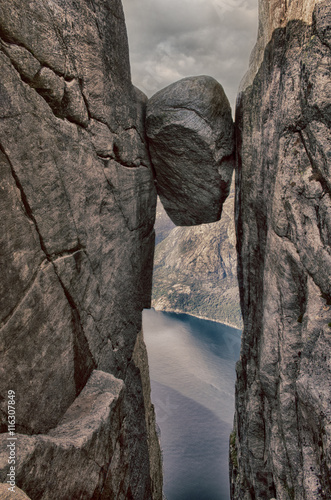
{"points": [[171, 39]]}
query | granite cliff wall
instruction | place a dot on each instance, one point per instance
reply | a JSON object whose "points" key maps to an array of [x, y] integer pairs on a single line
{"points": [[281, 443], [77, 211]]}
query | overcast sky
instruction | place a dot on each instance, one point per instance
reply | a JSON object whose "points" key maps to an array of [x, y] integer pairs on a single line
{"points": [[171, 39]]}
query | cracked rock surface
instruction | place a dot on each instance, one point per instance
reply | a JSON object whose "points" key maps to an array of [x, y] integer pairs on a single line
{"points": [[77, 211], [85, 440], [281, 443], [191, 140]]}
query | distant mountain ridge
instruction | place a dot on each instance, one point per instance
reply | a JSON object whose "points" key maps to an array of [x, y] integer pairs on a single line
{"points": [[195, 268], [163, 224]]}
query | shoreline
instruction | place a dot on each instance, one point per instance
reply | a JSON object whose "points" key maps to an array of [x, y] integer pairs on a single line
{"points": [[178, 311]]}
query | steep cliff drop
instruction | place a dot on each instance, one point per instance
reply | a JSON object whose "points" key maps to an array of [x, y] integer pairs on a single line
{"points": [[77, 212], [281, 443]]}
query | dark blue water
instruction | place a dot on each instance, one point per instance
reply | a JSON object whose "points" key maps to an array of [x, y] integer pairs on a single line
{"points": [[192, 365]]}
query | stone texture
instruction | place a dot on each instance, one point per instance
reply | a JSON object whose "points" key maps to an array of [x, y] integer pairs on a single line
{"points": [[190, 132], [17, 494], [75, 454], [141, 362], [280, 447], [77, 212]]}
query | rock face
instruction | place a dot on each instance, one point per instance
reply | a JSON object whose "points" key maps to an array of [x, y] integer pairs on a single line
{"points": [[190, 131], [195, 269], [17, 494], [77, 211], [281, 444], [85, 439]]}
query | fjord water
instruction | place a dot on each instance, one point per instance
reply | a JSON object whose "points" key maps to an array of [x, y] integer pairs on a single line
{"points": [[192, 368]]}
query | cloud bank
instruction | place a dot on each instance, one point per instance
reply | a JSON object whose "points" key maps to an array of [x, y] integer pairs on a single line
{"points": [[172, 39]]}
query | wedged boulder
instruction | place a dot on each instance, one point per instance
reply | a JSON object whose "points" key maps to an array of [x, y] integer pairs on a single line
{"points": [[191, 140]]}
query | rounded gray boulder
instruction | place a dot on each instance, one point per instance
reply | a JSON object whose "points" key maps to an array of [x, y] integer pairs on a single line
{"points": [[191, 140]]}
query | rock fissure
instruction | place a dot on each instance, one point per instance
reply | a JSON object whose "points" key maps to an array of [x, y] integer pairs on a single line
{"points": [[25, 203], [77, 320], [174, 108], [6, 40], [38, 82], [86, 103], [51, 259], [320, 176], [94, 117], [66, 253], [26, 291]]}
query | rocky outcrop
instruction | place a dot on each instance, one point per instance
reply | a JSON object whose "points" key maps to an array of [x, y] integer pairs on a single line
{"points": [[77, 241], [190, 132], [281, 444], [195, 269], [85, 439], [17, 494]]}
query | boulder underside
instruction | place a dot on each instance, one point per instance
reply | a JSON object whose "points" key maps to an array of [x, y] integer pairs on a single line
{"points": [[191, 140]]}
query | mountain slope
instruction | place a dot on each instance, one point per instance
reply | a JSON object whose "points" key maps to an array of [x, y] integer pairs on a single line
{"points": [[163, 224], [195, 269]]}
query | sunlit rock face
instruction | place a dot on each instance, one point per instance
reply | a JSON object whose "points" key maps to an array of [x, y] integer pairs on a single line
{"points": [[282, 434], [191, 140], [77, 209]]}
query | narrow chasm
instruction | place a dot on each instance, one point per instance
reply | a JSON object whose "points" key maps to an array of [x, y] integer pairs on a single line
{"points": [[193, 330]]}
